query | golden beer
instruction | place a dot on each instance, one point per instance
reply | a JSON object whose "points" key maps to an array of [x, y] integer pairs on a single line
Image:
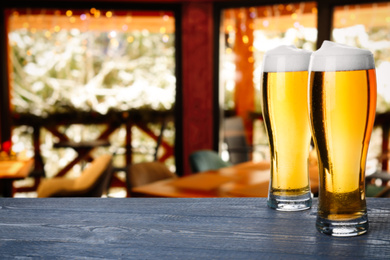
{"points": [[285, 113], [286, 119], [343, 118], [342, 107]]}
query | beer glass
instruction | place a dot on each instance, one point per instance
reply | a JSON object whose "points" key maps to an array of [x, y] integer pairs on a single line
{"points": [[342, 103], [285, 113]]}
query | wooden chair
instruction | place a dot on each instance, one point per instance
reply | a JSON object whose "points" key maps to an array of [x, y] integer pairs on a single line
{"points": [[234, 136], [139, 174], [385, 193], [377, 191], [205, 160], [93, 182]]}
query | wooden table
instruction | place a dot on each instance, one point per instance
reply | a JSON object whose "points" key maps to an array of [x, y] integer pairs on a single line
{"points": [[250, 179], [195, 228], [11, 170]]}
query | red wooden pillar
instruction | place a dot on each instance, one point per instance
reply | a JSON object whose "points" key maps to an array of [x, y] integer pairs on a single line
{"points": [[197, 55]]}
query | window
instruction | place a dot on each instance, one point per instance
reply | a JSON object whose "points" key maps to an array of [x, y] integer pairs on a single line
{"points": [[367, 26], [246, 34], [91, 63]]}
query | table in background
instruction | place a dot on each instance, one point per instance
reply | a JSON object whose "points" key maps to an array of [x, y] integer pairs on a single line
{"points": [[11, 170], [249, 179], [188, 228]]}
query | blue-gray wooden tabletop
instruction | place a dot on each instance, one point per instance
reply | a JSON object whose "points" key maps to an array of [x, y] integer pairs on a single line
{"points": [[152, 228]]}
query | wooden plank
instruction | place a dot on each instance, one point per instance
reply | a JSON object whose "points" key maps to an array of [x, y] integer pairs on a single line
{"points": [[219, 228]]}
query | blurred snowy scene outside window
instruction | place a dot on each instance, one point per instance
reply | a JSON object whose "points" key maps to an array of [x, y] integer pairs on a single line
{"points": [[103, 63]]}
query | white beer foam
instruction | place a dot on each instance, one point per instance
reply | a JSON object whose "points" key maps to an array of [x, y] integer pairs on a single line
{"points": [[286, 58], [339, 57]]}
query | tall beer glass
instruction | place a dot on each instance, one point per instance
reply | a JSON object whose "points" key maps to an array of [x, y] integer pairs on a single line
{"points": [[342, 103], [285, 113]]}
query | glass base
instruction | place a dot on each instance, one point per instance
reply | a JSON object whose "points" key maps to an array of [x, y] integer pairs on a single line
{"points": [[343, 228], [289, 203]]}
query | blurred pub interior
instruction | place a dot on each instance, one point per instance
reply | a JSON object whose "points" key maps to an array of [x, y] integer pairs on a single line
{"points": [[154, 80]]}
